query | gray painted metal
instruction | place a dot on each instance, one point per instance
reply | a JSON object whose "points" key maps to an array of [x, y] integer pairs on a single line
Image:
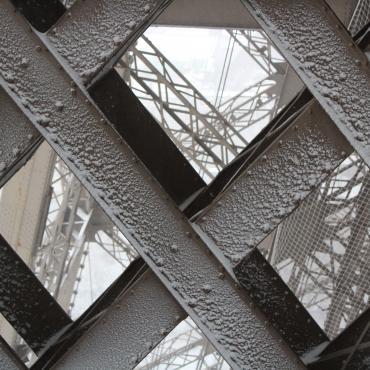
{"points": [[279, 304], [17, 137], [94, 34], [135, 202], [324, 56], [272, 187], [129, 330], [343, 9], [207, 13]]}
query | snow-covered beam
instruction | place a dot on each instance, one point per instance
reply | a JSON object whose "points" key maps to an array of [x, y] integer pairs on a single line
{"points": [[138, 206]]}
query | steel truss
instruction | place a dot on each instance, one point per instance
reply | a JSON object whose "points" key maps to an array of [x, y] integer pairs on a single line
{"points": [[141, 222], [74, 224], [110, 173], [327, 265], [209, 137]]}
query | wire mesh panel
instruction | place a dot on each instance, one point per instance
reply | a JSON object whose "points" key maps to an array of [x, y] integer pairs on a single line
{"points": [[361, 16], [322, 250]]}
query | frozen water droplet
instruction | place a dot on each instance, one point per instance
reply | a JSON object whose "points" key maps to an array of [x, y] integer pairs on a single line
{"points": [[206, 288], [131, 25], [59, 105], [25, 62]]}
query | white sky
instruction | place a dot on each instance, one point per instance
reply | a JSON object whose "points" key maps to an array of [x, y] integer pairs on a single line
{"points": [[199, 53]]}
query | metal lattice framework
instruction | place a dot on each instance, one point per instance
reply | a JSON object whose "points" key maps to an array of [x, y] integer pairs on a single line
{"points": [[101, 193], [361, 16], [74, 224], [209, 137], [322, 249]]}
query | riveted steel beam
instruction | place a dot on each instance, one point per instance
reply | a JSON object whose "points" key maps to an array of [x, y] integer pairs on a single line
{"points": [[93, 35], [131, 317], [26, 304], [323, 54], [233, 170], [134, 324], [137, 204], [18, 139], [274, 183], [118, 115]]}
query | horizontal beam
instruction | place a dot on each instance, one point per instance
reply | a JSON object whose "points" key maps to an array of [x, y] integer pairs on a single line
{"points": [[325, 57], [26, 304], [207, 14], [136, 204]]}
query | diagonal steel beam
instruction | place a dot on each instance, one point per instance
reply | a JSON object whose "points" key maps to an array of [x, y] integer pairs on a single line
{"points": [[18, 139], [279, 304], [134, 325], [136, 203], [93, 35], [145, 136], [26, 304], [323, 54], [274, 184], [24, 127]]}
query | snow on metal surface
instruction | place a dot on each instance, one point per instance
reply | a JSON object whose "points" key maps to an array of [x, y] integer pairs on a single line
{"points": [[93, 31], [16, 134], [323, 54], [125, 190], [129, 331], [275, 184]]}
